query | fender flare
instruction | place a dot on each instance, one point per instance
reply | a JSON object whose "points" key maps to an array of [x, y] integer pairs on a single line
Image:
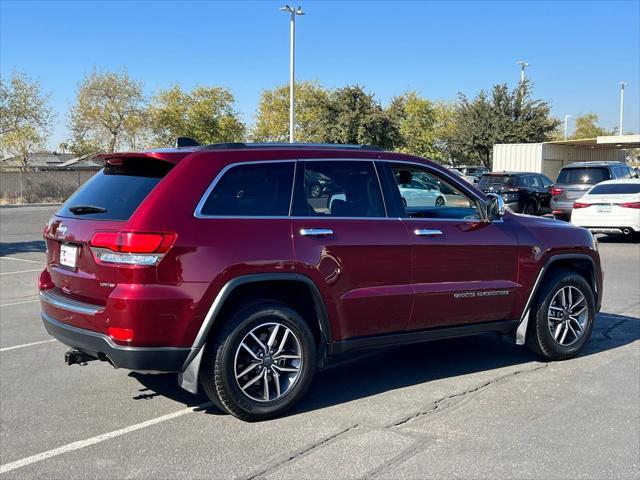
{"points": [[188, 378], [521, 332]]}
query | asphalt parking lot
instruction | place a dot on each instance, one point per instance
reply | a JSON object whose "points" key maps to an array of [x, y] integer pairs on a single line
{"points": [[476, 407]]}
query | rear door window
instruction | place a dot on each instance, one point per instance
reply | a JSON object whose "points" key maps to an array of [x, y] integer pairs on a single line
{"points": [[116, 191], [585, 175], [338, 189], [252, 190]]}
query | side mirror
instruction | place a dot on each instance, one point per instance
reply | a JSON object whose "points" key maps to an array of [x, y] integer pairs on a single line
{"points": [[495, 206]]}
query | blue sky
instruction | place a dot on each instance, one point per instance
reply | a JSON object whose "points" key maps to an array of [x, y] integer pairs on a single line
{"points": [[578, 51]]}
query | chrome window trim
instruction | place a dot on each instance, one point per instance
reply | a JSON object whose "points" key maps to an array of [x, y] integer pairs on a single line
{"points": [[198, 211]]}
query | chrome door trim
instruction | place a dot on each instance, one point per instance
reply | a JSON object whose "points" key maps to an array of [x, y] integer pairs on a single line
{"points": [[426, 232], [316, 232]]}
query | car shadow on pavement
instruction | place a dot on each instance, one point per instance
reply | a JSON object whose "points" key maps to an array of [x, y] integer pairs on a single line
{"points": [[370, 373], [9, 248]]}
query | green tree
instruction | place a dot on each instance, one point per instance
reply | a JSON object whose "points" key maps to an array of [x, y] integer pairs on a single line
{"points": [[355, 116], [108, 114], [206, 114], [504, 116], [25, 117], [272, 118], [422, 127], [587, 127]]}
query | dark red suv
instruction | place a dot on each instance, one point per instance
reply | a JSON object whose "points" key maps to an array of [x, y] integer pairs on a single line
{"points": [[219, 263]]}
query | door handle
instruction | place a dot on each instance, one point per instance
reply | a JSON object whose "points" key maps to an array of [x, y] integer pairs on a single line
{"points": [[316, 232], [425, 232]]}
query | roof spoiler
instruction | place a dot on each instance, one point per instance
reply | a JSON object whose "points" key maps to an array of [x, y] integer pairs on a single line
{"points": [[186, 142]]}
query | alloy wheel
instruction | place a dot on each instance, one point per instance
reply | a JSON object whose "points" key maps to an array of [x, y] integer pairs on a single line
{"points": [[268, 362], [567, 316]]}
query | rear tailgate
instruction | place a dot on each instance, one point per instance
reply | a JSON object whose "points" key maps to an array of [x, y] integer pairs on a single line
{"points": [[104, 203]]}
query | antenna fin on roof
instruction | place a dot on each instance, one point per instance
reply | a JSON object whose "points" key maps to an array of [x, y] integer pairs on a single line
{"points": [[186, 142]]}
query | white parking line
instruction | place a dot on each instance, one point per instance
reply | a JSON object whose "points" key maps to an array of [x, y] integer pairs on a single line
{"points": [[21, 260], [6, 349], [21, 271], [20, 303], [70, 447]]}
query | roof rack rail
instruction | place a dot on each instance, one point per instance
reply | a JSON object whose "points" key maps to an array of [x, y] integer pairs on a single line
{"points": [[235, 145]]}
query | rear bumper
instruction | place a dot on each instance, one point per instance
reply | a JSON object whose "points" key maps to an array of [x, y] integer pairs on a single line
{"points": [[159, 359]]}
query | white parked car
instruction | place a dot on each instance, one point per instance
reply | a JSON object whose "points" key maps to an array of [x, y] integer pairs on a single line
{"points": [[610, 207], [421, 194]]}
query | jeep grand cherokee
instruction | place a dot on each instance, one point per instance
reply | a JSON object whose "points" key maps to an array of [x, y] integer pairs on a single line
{"points": [[220, 264]]}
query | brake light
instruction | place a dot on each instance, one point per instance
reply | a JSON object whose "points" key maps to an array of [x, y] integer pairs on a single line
{"points": [[556, 191], [581, 205], [120, 334], [131, 248], [630, 205], [44, 280]]}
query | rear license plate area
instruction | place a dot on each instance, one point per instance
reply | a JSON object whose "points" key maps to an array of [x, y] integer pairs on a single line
{"points": [[603, 208], [68, 255]]}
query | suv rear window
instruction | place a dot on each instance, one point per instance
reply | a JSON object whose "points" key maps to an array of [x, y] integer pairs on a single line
{"points": [[487, 180], [116, 189], [252, 190], [583, 175], [613, 188]]}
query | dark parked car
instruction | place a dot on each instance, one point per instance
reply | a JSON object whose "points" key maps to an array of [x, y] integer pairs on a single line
{"points": [[472, 171], [317, 184], [576, 179], [522, 192], [215, 262]]}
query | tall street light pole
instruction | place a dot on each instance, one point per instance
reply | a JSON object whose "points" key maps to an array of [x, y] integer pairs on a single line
{"points": [[622, 85], [523, 66], [566, 124], [292, 114]]}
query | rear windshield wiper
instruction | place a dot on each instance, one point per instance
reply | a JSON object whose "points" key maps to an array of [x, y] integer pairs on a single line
{"points": [[84, 209]]}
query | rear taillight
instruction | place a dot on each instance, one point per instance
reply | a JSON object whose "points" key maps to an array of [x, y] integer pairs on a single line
{"points": [[580, 205], [44, 280], [630, 205], [131, 248], [556, 191], [120, 334]]}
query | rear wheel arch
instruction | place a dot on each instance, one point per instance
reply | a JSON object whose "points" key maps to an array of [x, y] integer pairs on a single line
{"points": [[296, 290]]}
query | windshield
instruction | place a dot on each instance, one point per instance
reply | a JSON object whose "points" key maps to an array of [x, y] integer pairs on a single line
{"points": [[116, 191], [615, 188], [487, 180], [583, 175]]}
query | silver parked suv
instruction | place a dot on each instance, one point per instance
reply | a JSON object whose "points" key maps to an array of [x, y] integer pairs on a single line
{"points": [[576, 179]]}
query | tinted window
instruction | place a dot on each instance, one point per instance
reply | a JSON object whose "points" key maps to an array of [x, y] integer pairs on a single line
{"points": [[118, 189], [524, 181], [546, 181], [488, 180], [535, 181], [583, 175], [613, 188], [425, 194], [339, 189], [255, 190]]}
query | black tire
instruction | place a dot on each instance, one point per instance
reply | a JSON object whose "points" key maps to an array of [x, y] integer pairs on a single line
{"points": [[217, 374], [539, 337], [530, 208], [315, 190]]}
